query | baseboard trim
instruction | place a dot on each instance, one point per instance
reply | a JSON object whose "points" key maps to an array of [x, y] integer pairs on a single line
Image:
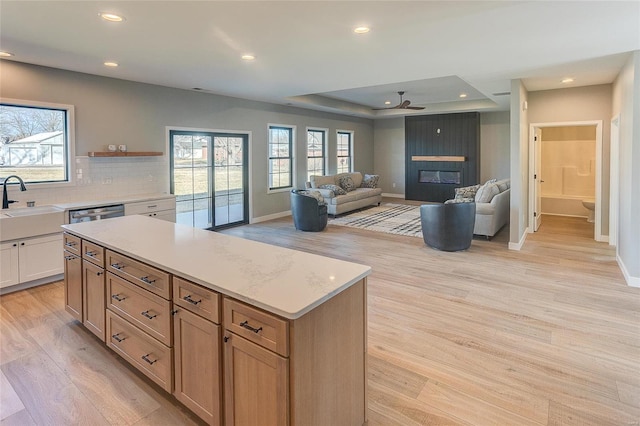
{"points": [[392, 195], [270, 217], [34, 283], [631, 281], [519, 244]]}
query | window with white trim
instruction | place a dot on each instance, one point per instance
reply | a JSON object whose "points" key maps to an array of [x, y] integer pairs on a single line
{"points": [[316, 142], [344, 151], [280, 157], [35, 141]]}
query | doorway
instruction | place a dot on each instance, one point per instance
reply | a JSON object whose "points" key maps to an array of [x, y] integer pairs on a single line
{"points": [[561, 188], [209, 176]]}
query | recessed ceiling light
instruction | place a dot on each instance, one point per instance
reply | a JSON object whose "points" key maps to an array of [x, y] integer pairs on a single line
{"points": [[387, 102], [361, 30], [111, 64], [4, 54], [248, 57], [111, 17], [463, 95], [567, 80]]}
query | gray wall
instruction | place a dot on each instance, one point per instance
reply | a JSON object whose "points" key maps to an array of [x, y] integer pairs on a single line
{"points": [[626, 102], [579, 104], [519, 165], [116, 111], [494, 145]]}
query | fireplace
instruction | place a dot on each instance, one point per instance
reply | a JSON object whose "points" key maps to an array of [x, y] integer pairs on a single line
{"points": [[440, 176]]}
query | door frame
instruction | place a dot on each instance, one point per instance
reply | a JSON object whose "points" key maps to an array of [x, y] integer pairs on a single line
{"points": [[248, 133], [614, 180], [534, 163]]}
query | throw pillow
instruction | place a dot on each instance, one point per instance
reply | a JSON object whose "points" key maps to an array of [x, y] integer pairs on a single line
{"points": [[460, 200], [370, 181], [486, 193], [335, 188], [466, 192], [313, 194], [503, 185], [346, 183]]}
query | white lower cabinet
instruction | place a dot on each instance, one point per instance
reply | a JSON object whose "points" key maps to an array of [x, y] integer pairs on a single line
{"points": [[30, 259], [164, 209]]}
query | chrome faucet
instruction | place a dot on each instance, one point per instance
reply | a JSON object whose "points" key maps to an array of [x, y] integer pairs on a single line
{"points": [[5, 198]]}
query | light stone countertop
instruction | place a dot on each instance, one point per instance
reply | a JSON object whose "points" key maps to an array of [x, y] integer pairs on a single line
{"points": [[110, 201], [282, 281]]}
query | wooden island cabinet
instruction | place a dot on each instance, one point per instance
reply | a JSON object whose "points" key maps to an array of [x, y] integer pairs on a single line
{"points": [[240, 332]]}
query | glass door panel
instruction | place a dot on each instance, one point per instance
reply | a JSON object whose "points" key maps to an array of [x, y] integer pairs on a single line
{"points": [[209, 173]]}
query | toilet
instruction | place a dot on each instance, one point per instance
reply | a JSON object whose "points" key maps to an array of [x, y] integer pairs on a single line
{"points": [[590, 204]]}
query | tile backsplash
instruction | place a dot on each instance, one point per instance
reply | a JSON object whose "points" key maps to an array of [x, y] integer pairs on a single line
{"points": [[98, 178]]}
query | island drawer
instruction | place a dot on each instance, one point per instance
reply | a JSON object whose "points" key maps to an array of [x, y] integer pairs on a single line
{"points": [[150, 313], [93, 253], [263, 328], [71, 243], [197, 299], [145, 276], [145, 353]]}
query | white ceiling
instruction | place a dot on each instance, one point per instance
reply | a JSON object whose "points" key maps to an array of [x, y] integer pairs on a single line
{"points": [[308, 56]]}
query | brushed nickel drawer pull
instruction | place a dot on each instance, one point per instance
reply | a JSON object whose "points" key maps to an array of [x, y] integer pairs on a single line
{"points": [[68, 257], [246, 325], [117, 297], [117, 266], [91, 253], [146, 314], [147, 280], [190, 300], [146, 358], [119, 339], [70, 244]]}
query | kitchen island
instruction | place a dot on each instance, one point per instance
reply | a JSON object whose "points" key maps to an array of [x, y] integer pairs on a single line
{"points": [[239, 331]]}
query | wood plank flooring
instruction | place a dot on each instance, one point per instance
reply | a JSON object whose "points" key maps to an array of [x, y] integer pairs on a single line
{"points": [[549, 335]]}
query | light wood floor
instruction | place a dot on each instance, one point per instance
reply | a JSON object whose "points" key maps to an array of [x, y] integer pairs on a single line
{"points": [[547, 335]]}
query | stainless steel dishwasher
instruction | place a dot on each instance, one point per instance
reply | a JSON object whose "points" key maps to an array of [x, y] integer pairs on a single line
{"points": [[96, 213]]}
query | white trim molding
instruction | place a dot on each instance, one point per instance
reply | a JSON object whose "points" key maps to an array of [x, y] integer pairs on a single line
{"points": [[631, 281], [519, 244]]}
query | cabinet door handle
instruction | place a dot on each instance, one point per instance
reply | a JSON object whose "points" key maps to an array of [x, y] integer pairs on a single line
{"points": [[147, 280], [98, 273], [117, 297], [68, 257], [246, 325], [91, 253], [146, 358], [190, 300], [70, 244], [119, 339], [117, 266], [148, 315], [15, 245]]}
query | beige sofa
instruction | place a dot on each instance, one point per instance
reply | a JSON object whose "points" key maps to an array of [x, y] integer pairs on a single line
{"points": [[492, 205], [355, 199]]}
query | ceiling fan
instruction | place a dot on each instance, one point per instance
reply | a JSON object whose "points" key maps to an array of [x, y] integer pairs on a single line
{"points": [[401, 105]]}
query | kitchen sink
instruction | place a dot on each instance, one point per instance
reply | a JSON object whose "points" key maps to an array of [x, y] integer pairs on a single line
{"points": [[30, 222]]}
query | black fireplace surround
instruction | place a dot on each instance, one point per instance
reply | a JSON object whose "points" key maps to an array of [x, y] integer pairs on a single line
{"points": [[441, 135]]}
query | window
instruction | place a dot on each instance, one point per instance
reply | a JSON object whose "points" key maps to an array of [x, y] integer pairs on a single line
{"points": [[280, 157], [315, 152], [344, 148], [35, 141]]}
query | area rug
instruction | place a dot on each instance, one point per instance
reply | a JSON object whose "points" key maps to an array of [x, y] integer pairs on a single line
{"points": [[395, 219]]}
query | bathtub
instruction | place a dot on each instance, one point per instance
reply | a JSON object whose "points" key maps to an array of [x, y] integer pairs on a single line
{"points": [[565, 205]]}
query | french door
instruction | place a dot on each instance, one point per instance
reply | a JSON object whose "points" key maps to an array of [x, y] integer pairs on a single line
{"points": [[209, 175]]}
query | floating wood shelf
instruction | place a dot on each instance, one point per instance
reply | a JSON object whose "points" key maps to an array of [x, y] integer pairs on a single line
{"points": [[437, 158], [125, 154]]}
